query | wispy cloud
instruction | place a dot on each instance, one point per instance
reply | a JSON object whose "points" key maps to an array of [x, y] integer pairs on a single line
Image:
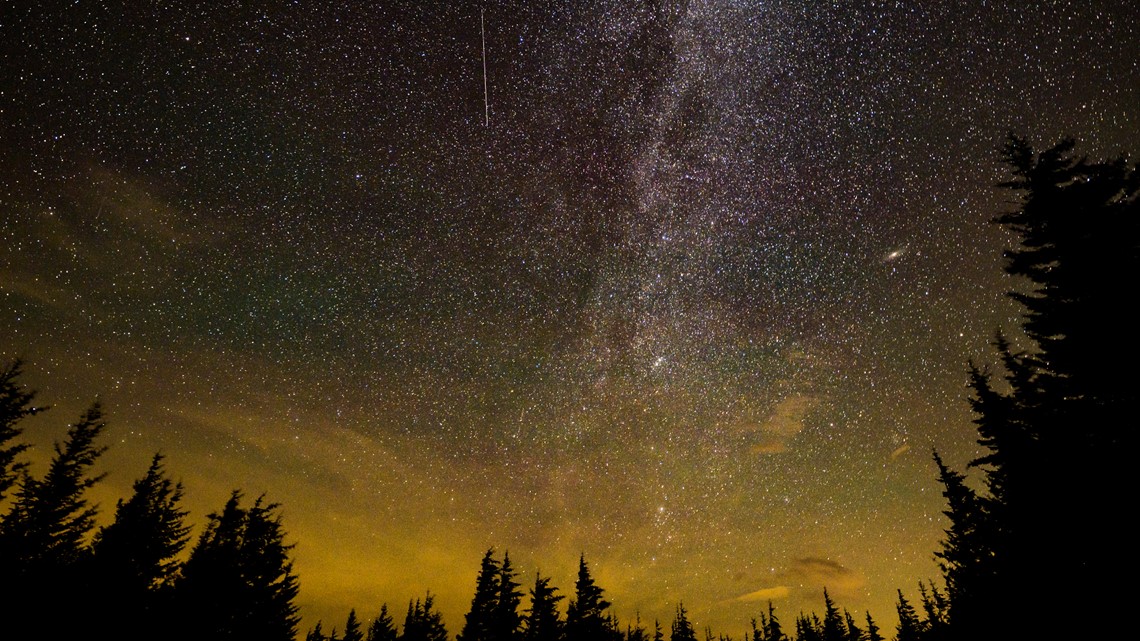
{"points": [[785, 422], [766, 594]]}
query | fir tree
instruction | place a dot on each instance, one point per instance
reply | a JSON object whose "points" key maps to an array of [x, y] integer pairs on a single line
{"points": [[382, 628], [772, 629], [141, 545], [585, 616], [682, 629], [505, 619], [853, 631], [134, 558], [50, 520], [1058, 421], [873, 630], [808, 628], [542, 621], [423, 622], [15, 405], [910, 627], [316, 634], [43, 538], [833, 628], [479, 621], [239, 581], [935, 607], [352, 631], [636, 631]]}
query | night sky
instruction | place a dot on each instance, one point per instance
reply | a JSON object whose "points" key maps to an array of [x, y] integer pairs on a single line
{"points": [[696, 301]]}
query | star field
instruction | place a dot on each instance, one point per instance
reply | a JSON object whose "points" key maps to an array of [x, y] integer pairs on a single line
{"points": [[697, 302]]}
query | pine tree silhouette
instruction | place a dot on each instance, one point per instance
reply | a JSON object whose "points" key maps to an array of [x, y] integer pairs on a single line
{"points": [[585, 616], [352, 631], [506, 622], [239, 581], [1057, 423], [382, 628], [682, 629], [43, 537], [15, 405], [479, 621], [423, 622], [542, 620], [135, 558]]}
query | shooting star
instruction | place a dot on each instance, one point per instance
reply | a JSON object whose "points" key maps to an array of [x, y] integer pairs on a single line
{"points": [[486, 101]]}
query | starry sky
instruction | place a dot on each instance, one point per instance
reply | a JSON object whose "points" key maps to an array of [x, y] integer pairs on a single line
{"points": [[690, 289]]}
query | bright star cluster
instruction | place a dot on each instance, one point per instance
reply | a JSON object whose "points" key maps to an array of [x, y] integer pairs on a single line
{"points": [[696, 302]]}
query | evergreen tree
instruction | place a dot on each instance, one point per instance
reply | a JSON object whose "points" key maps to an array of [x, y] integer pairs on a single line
{"points": [[910, 627], [682, 629], [873, 630], [352, 631], [134, 558], [542, 621], [970, 573], [833, 628], [808, 628], [585, 616], [658, 634], [935, 607], [506, 622], [382, 628], [50, 520], [853, 631], [238, 582], [15, 405], [43, 537], [316, 634], [423, 623], [772, 629], [479, 621], [636, 631], [1060, 425]]}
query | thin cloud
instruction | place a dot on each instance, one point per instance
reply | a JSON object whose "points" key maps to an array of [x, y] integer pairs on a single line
{"points": [[766, 594], [815, 571], [785, 422]]}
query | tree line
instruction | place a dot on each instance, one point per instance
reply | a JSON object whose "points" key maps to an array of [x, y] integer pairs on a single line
{"points": [[1045, 521], [64, 578]]}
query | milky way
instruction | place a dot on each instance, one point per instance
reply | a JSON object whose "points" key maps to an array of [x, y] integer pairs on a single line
{"points": [[696, 301]]}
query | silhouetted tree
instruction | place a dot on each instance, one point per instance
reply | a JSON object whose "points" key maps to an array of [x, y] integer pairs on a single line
{"points": [[382, 628], [682, 629], [479, 621], [1058, 422], [238, 582], [542, 620], [134, 558], [352, 631], [833, 627], [770, 625], [636, 631], [935, 607], [506, 622], [853, 631], [585, 616], [809, 628], [910, 627], [423, 623], [43, 536], [873, 630], [316, 634], [15, 405], [658, 634]]}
